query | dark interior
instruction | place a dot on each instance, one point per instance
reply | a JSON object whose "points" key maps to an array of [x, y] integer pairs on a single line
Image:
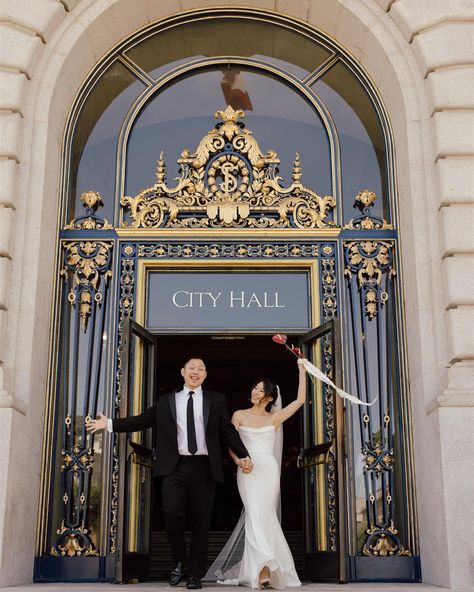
{"points": [[234, 363]]}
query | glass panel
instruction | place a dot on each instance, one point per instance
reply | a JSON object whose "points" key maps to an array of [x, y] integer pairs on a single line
{"points": [[228, 37], [139, 468], [380, 519], [181, 115], [363, 158], [319, 479], [94, 145], [80, 393]]}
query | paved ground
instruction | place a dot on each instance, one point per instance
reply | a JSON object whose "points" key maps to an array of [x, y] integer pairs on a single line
{"points": [[161, 586]]}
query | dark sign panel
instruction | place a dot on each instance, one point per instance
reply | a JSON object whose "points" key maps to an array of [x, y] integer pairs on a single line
{"points": [[240, 300]]}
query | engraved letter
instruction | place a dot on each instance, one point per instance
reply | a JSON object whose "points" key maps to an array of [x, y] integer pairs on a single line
{"points": [[200, 294], [174, 299], [214, 298], [276, 301], [241, 298], [265, 302], [254, 300]]}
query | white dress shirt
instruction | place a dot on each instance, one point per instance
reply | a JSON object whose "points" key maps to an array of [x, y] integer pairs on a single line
{"points": [[181, 398], [181, 421]]}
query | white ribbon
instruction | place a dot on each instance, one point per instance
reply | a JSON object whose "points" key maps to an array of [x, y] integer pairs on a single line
{"points": [[316, 372]]}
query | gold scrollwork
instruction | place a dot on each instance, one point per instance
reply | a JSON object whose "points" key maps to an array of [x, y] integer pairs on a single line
{"points": [[370, 260], [377, 459], [78, 459], [384, 542], [88, 260], [75, 543], [91, 200], [228, 182], [364, 200]]}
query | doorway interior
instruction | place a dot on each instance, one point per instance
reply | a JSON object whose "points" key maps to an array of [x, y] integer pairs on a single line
{"points": [[234, 363]]}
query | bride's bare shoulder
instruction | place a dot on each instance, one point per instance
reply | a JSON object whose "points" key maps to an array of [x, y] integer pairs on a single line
{"points": [[242, 412], [237, 416]]}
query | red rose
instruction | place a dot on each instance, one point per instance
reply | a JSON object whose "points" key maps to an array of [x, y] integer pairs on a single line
{"points": [[280, 338]]}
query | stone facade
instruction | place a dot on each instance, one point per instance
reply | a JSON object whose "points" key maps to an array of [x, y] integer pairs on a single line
{"points": [[419, 55]]}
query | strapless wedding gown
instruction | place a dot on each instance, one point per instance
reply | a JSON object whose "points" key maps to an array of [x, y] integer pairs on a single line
{"points": [[265, 543]]}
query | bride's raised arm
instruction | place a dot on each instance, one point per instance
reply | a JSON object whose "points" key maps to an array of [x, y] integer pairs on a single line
{"points": [[292, 408]]}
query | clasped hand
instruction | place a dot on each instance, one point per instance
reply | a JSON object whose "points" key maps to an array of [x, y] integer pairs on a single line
{"points": [[245, 464]]}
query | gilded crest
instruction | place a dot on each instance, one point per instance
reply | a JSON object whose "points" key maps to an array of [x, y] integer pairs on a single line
{"points": [[228, 182]]}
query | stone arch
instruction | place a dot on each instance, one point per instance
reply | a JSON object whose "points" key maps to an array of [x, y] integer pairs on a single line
{"points": [[400, 46]]}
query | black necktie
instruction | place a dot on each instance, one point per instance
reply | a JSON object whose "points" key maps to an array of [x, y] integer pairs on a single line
{"points": [[192, 443]]}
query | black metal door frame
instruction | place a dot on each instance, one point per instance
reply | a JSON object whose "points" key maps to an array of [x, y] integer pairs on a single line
{"points": [[133, 566], [327, 565]]}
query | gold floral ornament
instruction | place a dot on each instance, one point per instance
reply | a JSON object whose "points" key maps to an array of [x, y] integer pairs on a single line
{"points": [[78, 459], [365, 200], [378, 459], [383, 541], [91, 200], [228, 182], [89, 261], [371, 261], [73, 542]]}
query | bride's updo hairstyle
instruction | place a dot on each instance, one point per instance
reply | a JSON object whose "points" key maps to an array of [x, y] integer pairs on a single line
{"points": [[270, 390]]}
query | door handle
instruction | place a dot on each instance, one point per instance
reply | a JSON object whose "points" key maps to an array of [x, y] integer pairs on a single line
{"points": [[138, 461], [315, 455], [140, 455]]}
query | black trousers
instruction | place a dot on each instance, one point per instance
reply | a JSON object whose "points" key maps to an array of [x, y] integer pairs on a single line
{"points": [[188, 495]]}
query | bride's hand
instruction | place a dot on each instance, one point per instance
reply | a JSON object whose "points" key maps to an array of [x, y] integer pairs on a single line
{"points": [[245, 464], [300, 363]]}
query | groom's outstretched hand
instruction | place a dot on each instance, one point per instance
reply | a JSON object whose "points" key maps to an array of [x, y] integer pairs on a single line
{"points": [[96, 425], [246, 465]]}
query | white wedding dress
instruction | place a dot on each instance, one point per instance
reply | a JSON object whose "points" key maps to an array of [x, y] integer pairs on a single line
{"points": [[264, 543]]}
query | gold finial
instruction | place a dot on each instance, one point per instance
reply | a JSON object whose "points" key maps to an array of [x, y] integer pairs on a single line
{"points": [[365, 199], [160, 172], [296, 175], [91, 199], [229, 114]]}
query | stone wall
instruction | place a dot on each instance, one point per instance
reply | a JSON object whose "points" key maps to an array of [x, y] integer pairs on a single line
{"points": [[419, 54]]}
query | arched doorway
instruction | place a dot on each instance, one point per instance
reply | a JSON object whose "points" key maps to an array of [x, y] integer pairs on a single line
{"points": [[300, 93]]}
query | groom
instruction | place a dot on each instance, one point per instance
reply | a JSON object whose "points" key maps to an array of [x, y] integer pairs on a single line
{"points": [[189, 424]]}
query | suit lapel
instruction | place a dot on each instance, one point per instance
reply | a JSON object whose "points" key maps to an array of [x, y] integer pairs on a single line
{"points": [[172, 402], [206, 406]]}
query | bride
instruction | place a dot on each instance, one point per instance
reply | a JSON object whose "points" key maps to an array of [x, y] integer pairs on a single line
{"points": [[266, 559]]}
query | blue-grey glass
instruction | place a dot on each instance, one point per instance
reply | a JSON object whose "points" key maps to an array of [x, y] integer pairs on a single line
{"points": [[95, 495], [79, 361], [62, 407], [373, 371], [227, 301], [94, 146], [228, 37], [316, 478], [140, 397], [181, 115], [361, 137]]}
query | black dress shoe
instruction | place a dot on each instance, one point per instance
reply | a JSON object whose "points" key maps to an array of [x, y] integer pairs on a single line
{"points": [[194, 584], [176, 574]]}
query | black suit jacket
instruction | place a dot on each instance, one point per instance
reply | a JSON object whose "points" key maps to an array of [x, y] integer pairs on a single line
{"points": [[162, 416]]}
